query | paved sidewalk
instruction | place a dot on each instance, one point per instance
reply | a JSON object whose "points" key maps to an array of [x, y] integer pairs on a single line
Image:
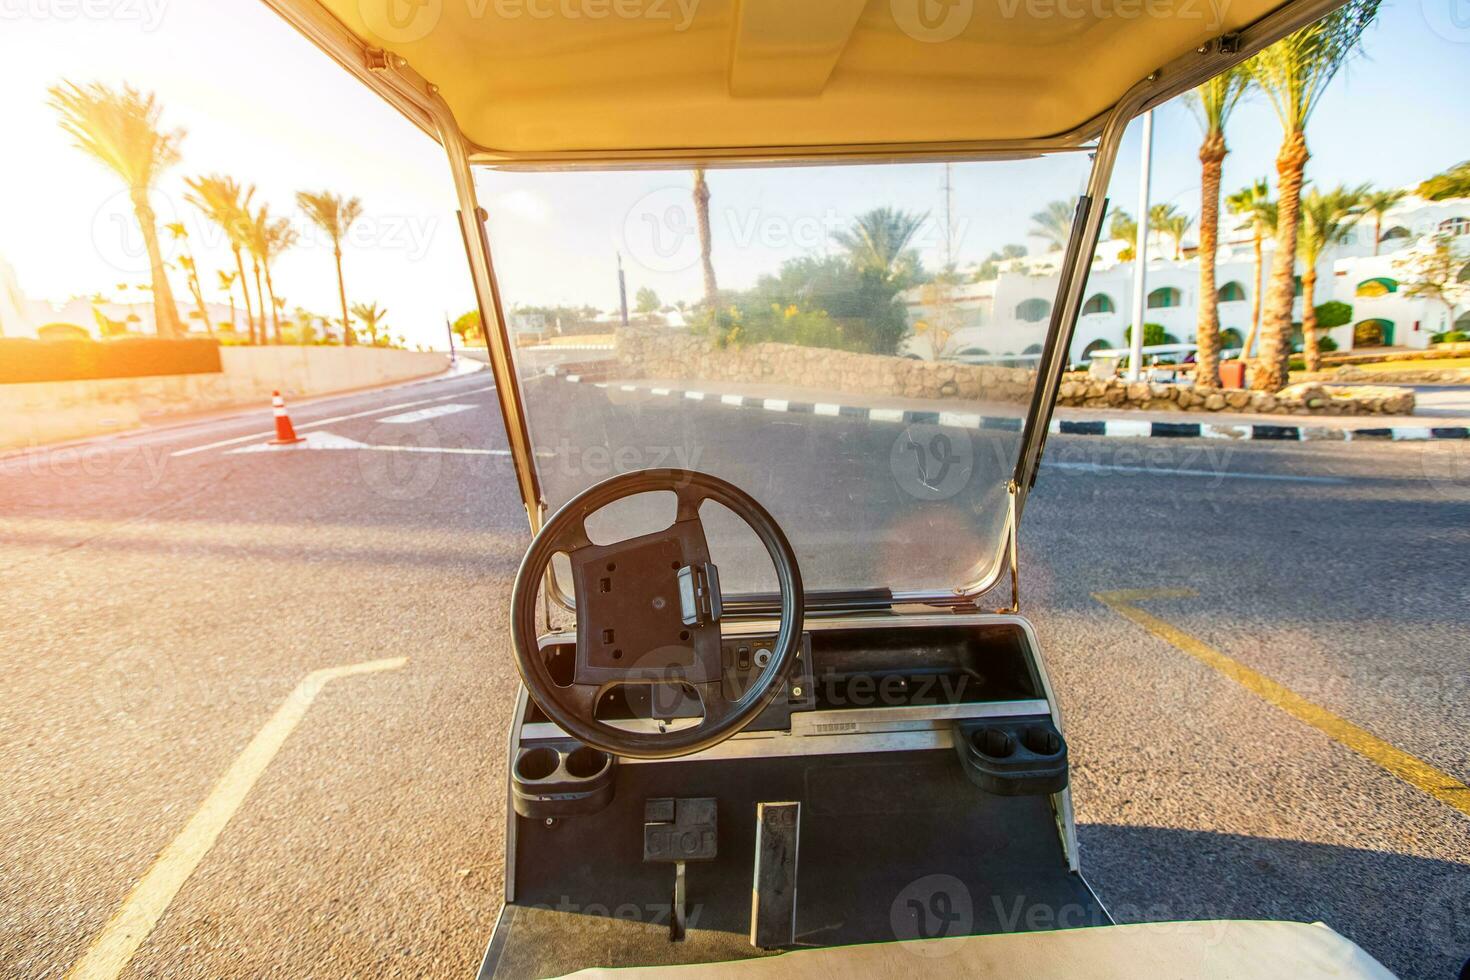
{"points": [[1449, 419]]}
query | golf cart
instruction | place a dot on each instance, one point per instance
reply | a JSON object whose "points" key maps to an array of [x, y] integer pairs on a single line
{"points": [[773, 716]]}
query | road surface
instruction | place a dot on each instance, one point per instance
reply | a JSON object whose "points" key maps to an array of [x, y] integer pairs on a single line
{"points": [[172, 603]]}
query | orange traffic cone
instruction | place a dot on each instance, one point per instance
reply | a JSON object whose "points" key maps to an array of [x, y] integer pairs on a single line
{"points": [[285, 432]]}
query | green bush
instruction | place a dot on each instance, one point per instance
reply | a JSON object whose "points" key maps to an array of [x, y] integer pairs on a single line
{"points": [[1333, 314], [1451, 337], [1154, 335], [23, 359]]}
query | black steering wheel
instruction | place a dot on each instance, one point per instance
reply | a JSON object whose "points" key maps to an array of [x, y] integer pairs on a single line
{"points": [[648, 613]]}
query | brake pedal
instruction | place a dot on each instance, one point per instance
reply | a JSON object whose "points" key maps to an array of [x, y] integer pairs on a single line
{"points": [[676, 831]]}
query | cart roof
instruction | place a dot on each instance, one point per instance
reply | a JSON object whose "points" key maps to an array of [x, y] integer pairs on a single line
{"points": [[612, 77]]}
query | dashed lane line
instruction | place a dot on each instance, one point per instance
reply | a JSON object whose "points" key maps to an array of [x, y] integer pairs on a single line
{"points": [[319, 422], [114, 947], [1411, 769], [425, 414]]}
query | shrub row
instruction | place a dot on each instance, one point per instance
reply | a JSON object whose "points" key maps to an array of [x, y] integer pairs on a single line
{"points": [[23, 359]]}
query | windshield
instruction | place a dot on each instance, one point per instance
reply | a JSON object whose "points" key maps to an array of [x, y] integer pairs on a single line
{"points": [[854, 345]]}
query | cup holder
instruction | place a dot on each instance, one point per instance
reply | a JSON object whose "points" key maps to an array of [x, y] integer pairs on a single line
{"points": [[994, 742], [537, 764], [561, 780], [1024, 756], [584, 763], [1042, 741]]}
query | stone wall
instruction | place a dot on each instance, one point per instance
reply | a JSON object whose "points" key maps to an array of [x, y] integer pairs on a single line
{"points": [[674, 354], [1080, 391], [42, 412]]}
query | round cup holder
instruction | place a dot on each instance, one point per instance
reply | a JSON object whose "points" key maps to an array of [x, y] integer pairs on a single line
{"points": [[1042, 741], [993, 742], [537, 764], [585, 762]]}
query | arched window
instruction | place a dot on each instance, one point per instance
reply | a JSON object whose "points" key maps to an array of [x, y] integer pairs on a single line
{"points": [[1296, 285], [1458, 225], [974, 352], [1464, 275], [1164, 296], [1033, 310], [1099, 303], [1231, 339], [1372, 333], [1396, 232], [1033, 349], [1463, 323], [1231, 292], [1378, 286]]}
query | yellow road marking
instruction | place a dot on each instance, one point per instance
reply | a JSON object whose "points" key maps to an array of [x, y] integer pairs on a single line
{"points": [[1414, 771], [131, 924]]}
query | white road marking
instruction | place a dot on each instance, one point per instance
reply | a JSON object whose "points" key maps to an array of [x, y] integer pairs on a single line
{"points": [[959, 420], [332, 441], [736, 400], [823, 408], [886, 414], [134, 920], [336, 418], [697, 396], [1217, 475], [424, 414], [659, 391], [775, 404]]}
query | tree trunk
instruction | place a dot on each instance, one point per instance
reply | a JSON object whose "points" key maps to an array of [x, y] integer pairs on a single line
{"points": [[165, 311], [259, 298], [198, 292], [245, 291], [1377, 232], [1311, 354], [1207, 322], [1270, 370], [270, 288], [348, 339], [1250, 337], [701, 217]]}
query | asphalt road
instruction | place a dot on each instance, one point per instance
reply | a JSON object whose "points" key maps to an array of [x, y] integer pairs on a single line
{"points": [[166, 595]]}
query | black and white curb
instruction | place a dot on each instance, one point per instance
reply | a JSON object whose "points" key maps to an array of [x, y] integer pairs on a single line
{"points": [[1114, 428]]}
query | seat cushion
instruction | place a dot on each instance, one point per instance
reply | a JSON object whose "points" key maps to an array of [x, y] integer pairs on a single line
{"points": [[1234, 949]]}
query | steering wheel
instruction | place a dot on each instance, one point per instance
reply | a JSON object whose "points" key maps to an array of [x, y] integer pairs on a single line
{"points": [[648, 612]]}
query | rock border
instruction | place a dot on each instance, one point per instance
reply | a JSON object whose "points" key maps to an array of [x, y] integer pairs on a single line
{"points": [[1111, 428]]}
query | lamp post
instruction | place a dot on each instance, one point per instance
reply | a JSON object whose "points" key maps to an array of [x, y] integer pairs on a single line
{"points": [[1140, 250]]}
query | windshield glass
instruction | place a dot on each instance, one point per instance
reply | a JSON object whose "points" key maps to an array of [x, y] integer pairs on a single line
{"points": [[855, 346]]}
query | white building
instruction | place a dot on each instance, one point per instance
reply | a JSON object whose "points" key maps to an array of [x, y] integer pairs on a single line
{"points": [[1008, 315]]}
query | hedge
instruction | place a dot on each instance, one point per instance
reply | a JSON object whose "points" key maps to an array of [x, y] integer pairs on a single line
{"points": [[23, 359]]}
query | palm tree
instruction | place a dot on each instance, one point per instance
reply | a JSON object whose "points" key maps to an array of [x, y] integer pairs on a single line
{"points": [[333, 215], [1293, 73], [268, 239], [1167, 219], [1327, 221], [191, 271], [879, 239], [227, 286], [121, 131], [1053, 224], [223, 201], [701, 220], [1378, 204], [1212, 103], [1122, 228], [372, 317], [1253, 204]]}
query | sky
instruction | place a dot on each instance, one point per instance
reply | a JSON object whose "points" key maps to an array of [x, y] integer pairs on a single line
{"points": [[261, 103]]}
